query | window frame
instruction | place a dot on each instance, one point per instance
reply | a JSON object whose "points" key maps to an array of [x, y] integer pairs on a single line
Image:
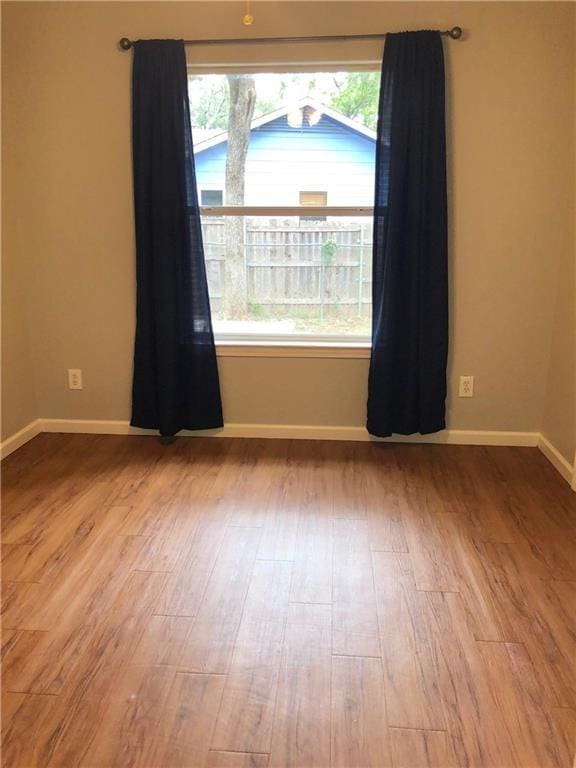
{"points": [[214, 205], [355, 346]]}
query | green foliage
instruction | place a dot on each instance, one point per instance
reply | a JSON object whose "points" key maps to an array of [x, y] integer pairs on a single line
{"points": [[257, 310], [329, 248], [209, 101], [357, 96]]}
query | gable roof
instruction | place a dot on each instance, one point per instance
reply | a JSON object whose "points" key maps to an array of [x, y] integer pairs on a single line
{"points": [[354, 125]]}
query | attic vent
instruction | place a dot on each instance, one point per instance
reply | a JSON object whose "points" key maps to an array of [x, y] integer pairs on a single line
{"points": [[301, 115]]}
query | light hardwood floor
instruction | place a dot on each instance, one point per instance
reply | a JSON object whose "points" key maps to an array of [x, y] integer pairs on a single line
{"points": [[249, 603]]}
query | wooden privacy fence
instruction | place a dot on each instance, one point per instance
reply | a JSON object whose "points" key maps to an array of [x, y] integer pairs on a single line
{"points": [[312, 265]]}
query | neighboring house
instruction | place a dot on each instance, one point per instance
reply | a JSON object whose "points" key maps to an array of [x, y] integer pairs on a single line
{"points": [[307, 154]]}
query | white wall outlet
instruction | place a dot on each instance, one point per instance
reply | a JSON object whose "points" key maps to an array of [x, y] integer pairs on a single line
{"points": [[74, 378], [466, 388]]}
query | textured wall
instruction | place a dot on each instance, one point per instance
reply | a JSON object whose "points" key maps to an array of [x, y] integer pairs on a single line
{"points": [[68, 199]]}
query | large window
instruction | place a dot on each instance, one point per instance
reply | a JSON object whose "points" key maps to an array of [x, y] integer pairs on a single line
{"points": [[285, 172]]}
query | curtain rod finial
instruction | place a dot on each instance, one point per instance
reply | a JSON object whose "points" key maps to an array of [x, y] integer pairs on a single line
{"points": [[455, 33], [125, 44]]}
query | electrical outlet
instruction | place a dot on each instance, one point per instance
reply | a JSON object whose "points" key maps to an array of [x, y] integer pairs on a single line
{"points": [[466, 388], [74, 378]]}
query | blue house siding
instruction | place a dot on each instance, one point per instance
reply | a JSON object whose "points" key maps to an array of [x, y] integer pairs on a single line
{"points": [[283, 161]]}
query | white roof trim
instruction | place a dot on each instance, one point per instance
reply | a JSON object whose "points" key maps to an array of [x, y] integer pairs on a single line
{"points": [[268, 118]]}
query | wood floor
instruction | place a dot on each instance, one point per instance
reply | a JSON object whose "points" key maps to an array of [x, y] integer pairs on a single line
{"points": [[246, 603]]}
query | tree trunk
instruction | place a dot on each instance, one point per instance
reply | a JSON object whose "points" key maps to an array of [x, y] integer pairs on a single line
{"points": [[242, 101]]}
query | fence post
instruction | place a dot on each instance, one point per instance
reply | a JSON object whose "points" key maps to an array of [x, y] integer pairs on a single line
{"points": [[246, 261], [361, 271], [321, 287]]}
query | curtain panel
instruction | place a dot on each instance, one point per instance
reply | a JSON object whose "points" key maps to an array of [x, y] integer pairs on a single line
{"points": [[407, 378], [175, 384]]}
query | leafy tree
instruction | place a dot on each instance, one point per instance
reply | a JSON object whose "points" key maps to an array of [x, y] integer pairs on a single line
{"points": [[209, 102], [357, 96]]}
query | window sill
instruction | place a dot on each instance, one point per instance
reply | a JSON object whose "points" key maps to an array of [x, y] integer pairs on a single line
{"points": [[342, 349]]}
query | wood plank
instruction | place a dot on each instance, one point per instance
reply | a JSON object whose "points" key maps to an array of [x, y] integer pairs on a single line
{"points": [[90, 586], [163, 642], [480, 599], [132, 724], [60, 650], [48, 492], [21, 647], [348, 481], [58, 541], [472, 714], [84, 701], [187, 723], [132, 721], [312, 574], [413, 693], [211, 641], [430, 551], [421, 749], [280, 532], [23, 745], [19, 603], [11, 703], [9, 637], [565, 726], [385, 502], [256, 498], [246, 714], [359, 728], [539, 614], [177, 548], [476, 491], [529, 722], [355, 617], [301, 733], [187, 585], [236, 760]]}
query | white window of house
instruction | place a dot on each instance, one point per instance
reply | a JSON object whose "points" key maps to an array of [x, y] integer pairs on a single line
{"points": [[285, 172], [211, 197]]}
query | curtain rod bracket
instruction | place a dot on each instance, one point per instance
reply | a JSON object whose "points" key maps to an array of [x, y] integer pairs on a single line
{"points": [[455, 34]]}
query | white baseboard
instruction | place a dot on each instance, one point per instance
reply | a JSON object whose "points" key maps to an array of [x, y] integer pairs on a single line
{"points": [[558, 461], [301, 432], [19, 438]]}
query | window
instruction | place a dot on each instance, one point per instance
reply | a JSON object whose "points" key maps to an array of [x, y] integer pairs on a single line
{"points": [[211, 197], [282, 264], [314, 199]]}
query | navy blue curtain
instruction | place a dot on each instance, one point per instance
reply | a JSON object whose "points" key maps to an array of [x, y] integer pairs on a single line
{"points": [[175, 383], [407, 379]]}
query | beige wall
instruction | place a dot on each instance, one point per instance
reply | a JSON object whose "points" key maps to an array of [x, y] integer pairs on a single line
{"points": [[18, 392], [68, 137], [559, 422]]}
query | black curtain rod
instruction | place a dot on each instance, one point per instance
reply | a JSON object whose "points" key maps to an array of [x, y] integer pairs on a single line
{"points": [[455, 33]]}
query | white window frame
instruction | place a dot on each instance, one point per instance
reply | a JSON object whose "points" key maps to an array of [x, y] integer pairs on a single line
{"points": [[212, 189], [303, 344], [300, 344], [293, 344]]}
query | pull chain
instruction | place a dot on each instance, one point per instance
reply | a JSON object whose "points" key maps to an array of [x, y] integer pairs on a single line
{"points": [[248, 18]]}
